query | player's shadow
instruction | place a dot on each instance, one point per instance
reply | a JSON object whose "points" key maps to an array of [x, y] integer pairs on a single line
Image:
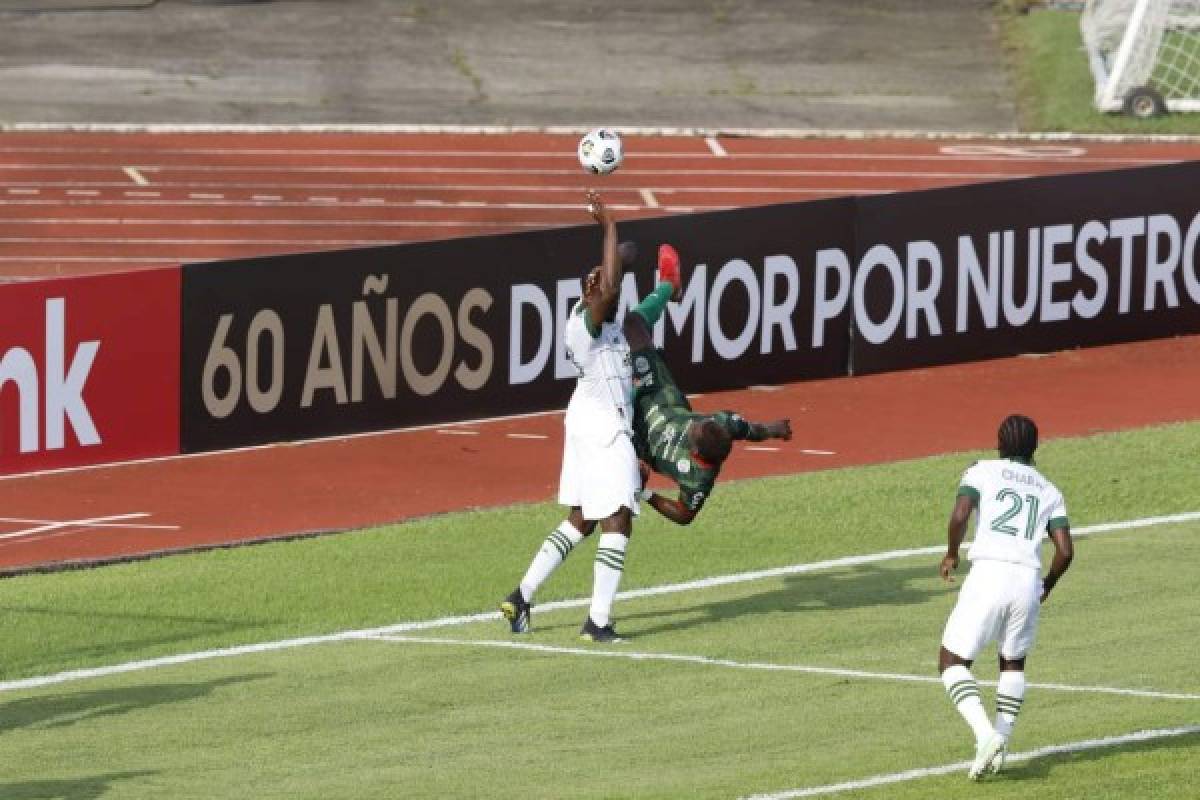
{"points": [[861, 586], [77, 789], [61, 710], [1039, 769], [182, 627]]}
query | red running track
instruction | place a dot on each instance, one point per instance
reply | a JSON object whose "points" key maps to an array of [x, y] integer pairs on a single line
{"points": [[83, 203]]}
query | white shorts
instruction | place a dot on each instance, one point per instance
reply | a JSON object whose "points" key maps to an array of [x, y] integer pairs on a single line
{"points": [[999, 601], [599, 478]]}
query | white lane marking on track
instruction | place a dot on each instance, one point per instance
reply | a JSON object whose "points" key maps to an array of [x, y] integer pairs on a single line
{"points": [[762, 449], [707, 661], [648, 198], [266, 198], [1021, 152], [946, 769], [114, 521], [453, 432], [417, 187], [21, 191], [206, 196], [715, 147], [527, 436], [136, 193], [1032, 148], [82, 192], [811, 452], [89, 260], [136, 176], [443, 622], [210, 169]]}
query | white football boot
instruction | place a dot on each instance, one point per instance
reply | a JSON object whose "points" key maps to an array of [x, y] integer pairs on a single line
{"points": [[985, 753]]}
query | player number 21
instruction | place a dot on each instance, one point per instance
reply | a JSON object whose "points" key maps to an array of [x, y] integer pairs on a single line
{"points": [[1016, 504]]}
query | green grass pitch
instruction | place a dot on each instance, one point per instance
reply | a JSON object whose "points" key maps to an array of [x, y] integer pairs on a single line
{"points": [[767, 686]]}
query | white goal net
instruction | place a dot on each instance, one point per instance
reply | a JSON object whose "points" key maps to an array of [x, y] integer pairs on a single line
{"points": [[1144, 54]]}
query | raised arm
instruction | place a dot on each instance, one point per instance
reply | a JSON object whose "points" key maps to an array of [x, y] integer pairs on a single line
{"points": [[1064, 553], [608, 284]]}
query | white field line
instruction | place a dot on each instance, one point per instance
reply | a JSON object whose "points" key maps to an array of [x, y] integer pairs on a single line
{"points": [[946, 769], [418, 187], [13, 171], [341, 437], [136, 176], [365, 222], [443, 622], [114, 521], [964, 152], [706, 661], [816, 134], [1053, 154]]}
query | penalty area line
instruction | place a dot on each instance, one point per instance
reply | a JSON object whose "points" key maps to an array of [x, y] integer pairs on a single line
{"points": [[707, 661], [464, 619], [946, 769]]}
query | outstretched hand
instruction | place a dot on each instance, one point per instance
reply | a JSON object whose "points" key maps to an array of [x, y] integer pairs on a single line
{"points": [[597, 209], [780, 429]]}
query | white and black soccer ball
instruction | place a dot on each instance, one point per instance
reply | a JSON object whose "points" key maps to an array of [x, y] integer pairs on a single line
{"points": [[600, 151]]}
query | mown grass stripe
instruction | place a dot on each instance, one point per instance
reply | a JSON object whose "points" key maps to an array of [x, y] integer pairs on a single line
{"points": [[509, 644], [946, 769], [654, 591]]}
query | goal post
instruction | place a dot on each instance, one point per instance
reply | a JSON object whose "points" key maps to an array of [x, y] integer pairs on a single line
{"points": [[1144, 54]]}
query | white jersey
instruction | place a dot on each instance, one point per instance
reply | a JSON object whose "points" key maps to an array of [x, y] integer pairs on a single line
{"points": [[1017, 506], [601, 407]]}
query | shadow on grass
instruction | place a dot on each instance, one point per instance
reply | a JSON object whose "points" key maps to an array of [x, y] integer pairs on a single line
{"points": [[65, 641], [80, 789], [857, 587], [1039, 769], [61, 710]]}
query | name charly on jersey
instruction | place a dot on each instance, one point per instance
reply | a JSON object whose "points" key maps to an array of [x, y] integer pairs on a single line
{"points": [[601, 404], [1017, 506]]}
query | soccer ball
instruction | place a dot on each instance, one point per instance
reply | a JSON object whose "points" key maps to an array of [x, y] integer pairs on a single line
{"points": [[600, 151]]}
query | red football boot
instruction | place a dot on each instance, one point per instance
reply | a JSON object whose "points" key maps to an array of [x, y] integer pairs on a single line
{"points": [[668, 269]]}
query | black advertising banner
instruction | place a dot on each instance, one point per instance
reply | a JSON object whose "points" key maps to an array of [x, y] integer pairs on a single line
{"points": [[1025, 266], [299, 346]]}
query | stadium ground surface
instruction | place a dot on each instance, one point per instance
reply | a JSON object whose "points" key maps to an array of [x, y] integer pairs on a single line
{"points": [[87, 202], [783, 646]]}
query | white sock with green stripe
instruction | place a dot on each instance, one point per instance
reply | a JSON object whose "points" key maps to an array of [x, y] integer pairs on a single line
{"points": [[1010, 693], [606, 575], [964, 693], [554, 551]]}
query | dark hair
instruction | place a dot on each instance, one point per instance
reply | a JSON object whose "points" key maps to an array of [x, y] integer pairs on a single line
{"points": [[1017, 437], [712, 441]]}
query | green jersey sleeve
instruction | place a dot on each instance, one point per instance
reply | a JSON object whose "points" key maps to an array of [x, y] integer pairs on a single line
{"points": [[734, 423]]}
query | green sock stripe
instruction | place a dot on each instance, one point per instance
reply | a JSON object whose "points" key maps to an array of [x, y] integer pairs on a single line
{"points": [[561, 543], [1008, 708], [613, 559], [962, 691], [1008, 698], [651, 307]]}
